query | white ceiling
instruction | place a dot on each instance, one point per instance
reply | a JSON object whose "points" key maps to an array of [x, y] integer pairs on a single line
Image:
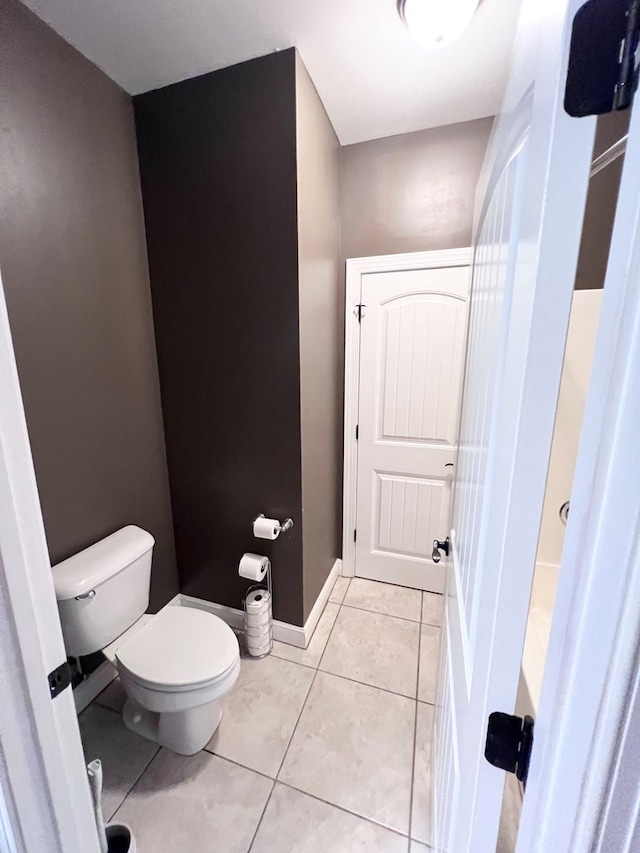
{"points": [[373, 78]]}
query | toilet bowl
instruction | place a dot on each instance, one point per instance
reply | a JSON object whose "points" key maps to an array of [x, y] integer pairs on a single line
{"points": [[175, 667]]}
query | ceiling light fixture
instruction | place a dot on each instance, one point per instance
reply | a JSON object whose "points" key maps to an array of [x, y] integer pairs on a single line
{"points": [[436, 22]]}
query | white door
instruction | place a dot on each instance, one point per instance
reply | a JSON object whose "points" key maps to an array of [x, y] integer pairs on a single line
{"points": [[412, 339], [584, 787], [526, 247], [45, 805]]}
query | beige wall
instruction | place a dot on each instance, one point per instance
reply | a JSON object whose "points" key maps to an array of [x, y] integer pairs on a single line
{"points": [[413, 192], [318, 167], [74, 269]]}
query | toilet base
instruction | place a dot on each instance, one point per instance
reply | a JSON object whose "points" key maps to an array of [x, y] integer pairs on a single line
{"points": [[184, 732]]}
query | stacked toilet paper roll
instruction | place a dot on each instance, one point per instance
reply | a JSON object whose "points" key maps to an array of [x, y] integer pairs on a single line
{"points": [[258, 622]]}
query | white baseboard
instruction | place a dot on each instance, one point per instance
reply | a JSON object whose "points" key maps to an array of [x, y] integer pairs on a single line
{"points": [[321, 601], [284, 632], [92, 687]]}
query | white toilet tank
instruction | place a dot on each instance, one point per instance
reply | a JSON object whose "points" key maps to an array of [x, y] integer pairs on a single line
{"points": [[104, 589]]}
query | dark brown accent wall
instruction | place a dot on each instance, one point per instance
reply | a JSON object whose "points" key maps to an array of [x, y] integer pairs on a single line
{"points": [[218, 167], [74, 270]]}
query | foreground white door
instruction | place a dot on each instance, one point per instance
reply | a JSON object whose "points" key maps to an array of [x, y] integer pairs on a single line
{"points": [[412, 333], [583, 794], [527, 240], [45, 805]]}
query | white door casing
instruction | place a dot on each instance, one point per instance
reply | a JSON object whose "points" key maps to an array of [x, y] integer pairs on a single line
{"points": [[527, 239], [403, 372], [46, 805]]}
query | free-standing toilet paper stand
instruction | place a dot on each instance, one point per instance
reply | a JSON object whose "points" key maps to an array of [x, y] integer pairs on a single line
{"points": [[272, 531], [266, 585]]}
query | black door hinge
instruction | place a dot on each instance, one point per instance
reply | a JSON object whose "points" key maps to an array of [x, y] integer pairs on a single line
{"points": [[357, 431], [509, 743], [359, 311], [59, 679], [355, 535], [602, 75]]}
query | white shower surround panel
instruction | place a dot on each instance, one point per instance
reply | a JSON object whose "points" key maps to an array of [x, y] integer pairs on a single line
{"points": [[581, 339], [576, 372]]}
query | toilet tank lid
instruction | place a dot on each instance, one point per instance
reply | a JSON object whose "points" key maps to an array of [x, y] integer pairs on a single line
{"points": [[96, 564]]}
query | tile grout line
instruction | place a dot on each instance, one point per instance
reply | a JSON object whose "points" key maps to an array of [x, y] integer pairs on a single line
{"points": [[295, 728], [129, 792], [366, 684], [95, 699], [306, 698], [326, 802], [326, 645], [344, 810], [344, 678], [274, 653], [104, 707], [390, 615], [262, 814], [318, 799], [415, 742], [274, 778], [355, 680], [235, 764], [325, 672], [341, 602], [296, 662]]}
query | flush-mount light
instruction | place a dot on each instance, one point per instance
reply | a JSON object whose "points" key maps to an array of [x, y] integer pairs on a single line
{"points": [[436, 22]]}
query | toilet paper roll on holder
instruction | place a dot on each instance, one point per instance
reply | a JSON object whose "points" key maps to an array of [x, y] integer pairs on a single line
{"points": [[283, 526]]}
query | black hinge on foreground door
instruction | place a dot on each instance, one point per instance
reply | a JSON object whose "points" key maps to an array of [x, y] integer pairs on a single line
{"points": [[59, 679], [509, 743], [602, 75]]}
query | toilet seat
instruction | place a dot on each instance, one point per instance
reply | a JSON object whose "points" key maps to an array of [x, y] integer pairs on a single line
{"points": [[180, 649]]}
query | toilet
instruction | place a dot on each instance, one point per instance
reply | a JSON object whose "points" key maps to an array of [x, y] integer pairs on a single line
{"points": [[175, 667]]}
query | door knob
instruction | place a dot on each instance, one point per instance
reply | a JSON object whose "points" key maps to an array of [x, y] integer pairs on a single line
{"points": [[438, 547]]}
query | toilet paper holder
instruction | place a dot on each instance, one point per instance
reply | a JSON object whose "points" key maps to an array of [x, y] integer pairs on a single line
{"points": [[283, 526], [266, 584]]}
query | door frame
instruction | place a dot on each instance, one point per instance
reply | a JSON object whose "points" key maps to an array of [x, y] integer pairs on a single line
{"points": [[45, 803], [356, 269]]}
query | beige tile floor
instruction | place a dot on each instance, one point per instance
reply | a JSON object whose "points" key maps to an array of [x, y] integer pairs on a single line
{"points": [[326, 750]]}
